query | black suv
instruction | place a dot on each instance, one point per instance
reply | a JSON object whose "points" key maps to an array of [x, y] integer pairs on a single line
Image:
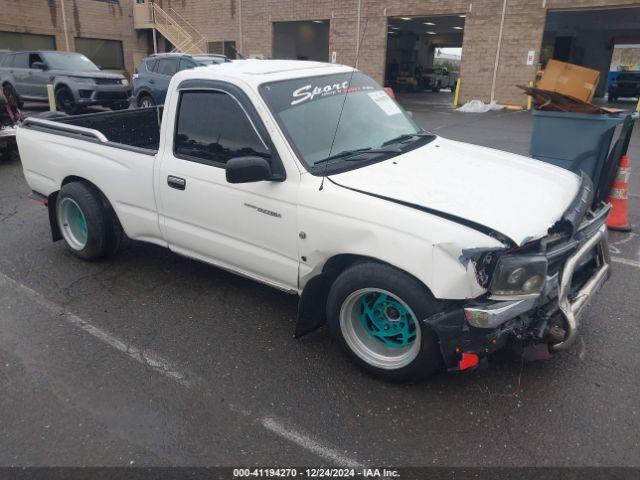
{"points": [[151, 81], [626, 85]]}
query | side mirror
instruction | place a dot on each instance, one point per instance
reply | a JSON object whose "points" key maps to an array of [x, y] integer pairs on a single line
{"points": [[248, 169], [39, 65]]}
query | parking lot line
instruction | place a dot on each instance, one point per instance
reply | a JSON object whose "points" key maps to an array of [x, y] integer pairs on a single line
{"points": [[151, 360], [168, 369], [276, 426], [626, 261]]}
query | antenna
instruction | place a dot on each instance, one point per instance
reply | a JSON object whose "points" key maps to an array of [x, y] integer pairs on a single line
{"points": [[335, 133]]}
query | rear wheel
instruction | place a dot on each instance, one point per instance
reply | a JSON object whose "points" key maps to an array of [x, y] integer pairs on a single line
{"points": [[89, 228], [376, 313], [146, 101], [65, 101]]}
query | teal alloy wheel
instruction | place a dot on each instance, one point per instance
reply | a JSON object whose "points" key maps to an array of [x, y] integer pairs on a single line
{"points": [[73, 224], [380, 328]]}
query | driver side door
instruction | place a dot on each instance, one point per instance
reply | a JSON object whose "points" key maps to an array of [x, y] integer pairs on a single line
{"points": [[249, 228]]}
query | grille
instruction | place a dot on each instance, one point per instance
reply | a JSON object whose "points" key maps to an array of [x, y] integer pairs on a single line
{"points": [[108, 81], [111, 96]]}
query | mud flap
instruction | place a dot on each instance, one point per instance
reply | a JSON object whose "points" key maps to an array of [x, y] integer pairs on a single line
{"points": [[53, 222], [312, 307]]}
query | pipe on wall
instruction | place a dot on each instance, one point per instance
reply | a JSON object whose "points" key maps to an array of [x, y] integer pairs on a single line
{"points": [[497, 62], [64, 25]]}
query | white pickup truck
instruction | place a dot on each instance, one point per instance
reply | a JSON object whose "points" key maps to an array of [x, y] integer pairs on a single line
{"points": [[420, 253]]}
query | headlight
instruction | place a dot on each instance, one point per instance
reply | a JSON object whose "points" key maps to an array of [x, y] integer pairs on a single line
{"points": [[519, 276], [124, 82]]}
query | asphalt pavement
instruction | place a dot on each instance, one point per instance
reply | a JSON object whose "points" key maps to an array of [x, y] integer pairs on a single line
{"points": [[152, 359]]}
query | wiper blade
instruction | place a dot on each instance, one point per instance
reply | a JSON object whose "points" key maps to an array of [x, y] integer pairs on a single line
{"points": [[350, 155], [408, 136]]}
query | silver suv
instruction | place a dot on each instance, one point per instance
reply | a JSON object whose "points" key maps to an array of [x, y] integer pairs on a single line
{"points": [[77, 81]]}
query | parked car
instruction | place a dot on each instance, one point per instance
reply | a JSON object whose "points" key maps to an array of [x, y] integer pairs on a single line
{"points": [[626, 85], [420, 253], [77, 81], [151, 81], [436, 78]]}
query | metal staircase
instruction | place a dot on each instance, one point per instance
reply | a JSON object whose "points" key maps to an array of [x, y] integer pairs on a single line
{"points": [[171, 25]]}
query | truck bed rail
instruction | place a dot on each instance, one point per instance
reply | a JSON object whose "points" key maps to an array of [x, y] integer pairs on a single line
{"points": [[65, 128]]}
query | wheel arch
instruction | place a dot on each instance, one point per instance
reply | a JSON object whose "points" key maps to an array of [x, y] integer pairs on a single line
{"points": [[144, 91], [53, 197], [313, 299]]}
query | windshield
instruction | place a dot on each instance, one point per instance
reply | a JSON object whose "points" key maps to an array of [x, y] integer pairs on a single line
{"points": [[70, 61], [308, 110]]}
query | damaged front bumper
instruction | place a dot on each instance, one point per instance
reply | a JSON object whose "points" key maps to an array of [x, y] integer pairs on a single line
{"points": [[539, 326]]}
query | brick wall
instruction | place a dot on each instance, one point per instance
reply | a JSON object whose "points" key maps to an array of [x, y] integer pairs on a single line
{"points": [[220, 20]]}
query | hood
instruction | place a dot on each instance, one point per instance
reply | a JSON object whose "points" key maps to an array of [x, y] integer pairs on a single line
{"points": [[100, 74], [514, 195]]}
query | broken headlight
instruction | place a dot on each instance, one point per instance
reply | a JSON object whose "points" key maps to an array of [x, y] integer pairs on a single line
{"points": [[519, 276]]}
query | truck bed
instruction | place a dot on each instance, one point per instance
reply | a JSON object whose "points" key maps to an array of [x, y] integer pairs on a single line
{"points": [[137, 129]]}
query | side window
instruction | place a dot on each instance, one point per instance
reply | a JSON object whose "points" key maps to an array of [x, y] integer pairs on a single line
{"points": [[34, 57], [151, 63], [186, 64], [212, 126], [167, 66], [21, 60], [8, 61]]}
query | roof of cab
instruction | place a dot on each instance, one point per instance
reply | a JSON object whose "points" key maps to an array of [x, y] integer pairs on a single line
{"points": [[256, 72]]}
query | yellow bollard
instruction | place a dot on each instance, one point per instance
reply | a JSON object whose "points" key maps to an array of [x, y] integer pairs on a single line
{"points": [[529, 99], [638, 106], [455, 95], [52, 98]]}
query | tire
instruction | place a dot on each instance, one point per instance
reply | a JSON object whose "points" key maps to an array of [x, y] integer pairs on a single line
{"points": [[12, 96], [401, 302], [145, 101], [89, 227], [65, 101]]}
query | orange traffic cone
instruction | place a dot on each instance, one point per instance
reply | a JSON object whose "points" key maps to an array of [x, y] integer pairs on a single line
{"points": [[619, 198]]}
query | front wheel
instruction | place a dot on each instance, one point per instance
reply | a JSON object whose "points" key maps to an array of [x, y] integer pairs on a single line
{"points": [[89, 227], [146, 101], [65, 101], [376, 311]]}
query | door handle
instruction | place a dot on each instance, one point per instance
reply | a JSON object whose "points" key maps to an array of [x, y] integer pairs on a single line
{"points": [[176, 182]]}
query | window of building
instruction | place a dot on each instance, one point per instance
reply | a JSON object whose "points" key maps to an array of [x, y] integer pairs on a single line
{"points": [[227, 48], [105, 53], [213, 128], [26, 41]]}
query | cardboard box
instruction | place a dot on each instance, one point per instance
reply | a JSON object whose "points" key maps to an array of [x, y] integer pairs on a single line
{"points": [[569, 79]]}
